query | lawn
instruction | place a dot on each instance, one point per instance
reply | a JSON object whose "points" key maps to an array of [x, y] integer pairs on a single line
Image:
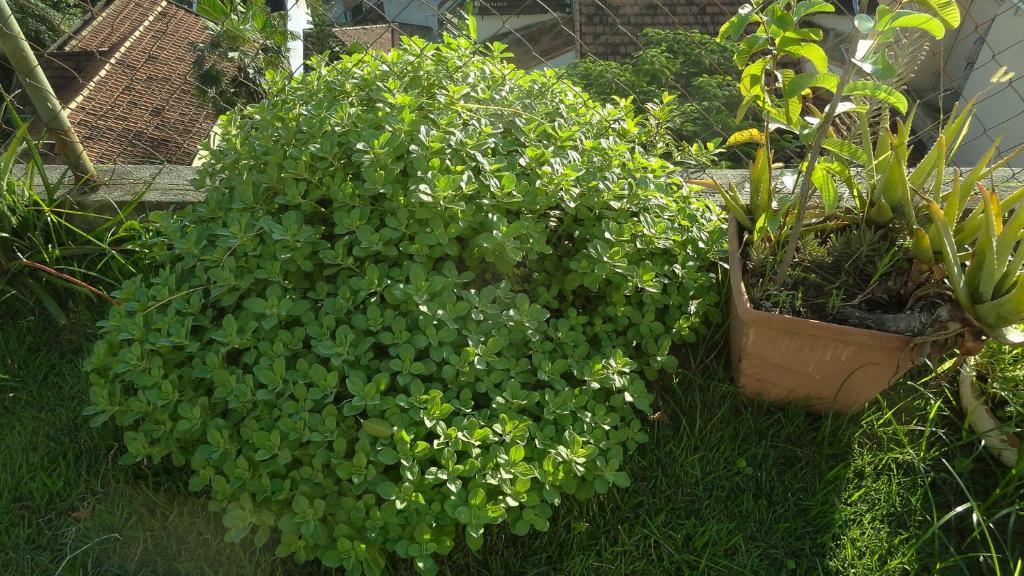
{"points": [[725, 486]]}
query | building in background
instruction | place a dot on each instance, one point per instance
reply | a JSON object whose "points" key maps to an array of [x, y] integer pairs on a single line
{"points": [[383, 36], [539, 33], [610, 29], [124, 75]]}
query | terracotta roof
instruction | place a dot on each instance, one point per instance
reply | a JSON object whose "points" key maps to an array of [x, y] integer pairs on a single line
{"points": [[116, 21], [521, 7], [70, 72], [375, 37], [380, 36], [537, 44], [610, 29], [125, 76]]}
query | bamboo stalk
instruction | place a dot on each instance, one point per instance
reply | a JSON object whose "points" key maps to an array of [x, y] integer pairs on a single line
{"points": [[48, 108]]}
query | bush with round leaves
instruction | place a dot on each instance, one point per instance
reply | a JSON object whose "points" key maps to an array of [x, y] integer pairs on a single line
{"points": [[424, 295]]}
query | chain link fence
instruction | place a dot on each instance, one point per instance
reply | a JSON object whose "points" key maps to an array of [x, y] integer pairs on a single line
{"points": [[143, 81]]}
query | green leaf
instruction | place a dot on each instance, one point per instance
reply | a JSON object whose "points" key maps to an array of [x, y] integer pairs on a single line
{"points": [[1001, 313], [387, 489], [808, 7], [878, 91], [474, 537], [826, 186], [847, 150], [915, 20], [332, 558], [735, 25], [477, 497], [806, 80], [950, 257], [471, 19], [377, 427], [864, 23], [815, 54], [750, 46], [761, 193], [947, 11], [921, 247]]}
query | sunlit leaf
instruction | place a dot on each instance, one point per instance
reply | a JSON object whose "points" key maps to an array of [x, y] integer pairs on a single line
{"points": [[878, 91]]}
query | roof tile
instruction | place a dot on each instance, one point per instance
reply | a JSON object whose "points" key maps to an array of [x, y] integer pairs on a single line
{"points": [[116, 21], [375, 37], [133, 99]]}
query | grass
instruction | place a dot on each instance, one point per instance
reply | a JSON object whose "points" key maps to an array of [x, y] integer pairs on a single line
{"points": [[725, 486]]}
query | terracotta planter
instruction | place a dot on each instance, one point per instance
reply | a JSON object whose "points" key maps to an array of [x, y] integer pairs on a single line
{"points": [[1003, 445], [826, 367]]}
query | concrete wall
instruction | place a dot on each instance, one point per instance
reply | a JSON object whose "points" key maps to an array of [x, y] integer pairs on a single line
{"points": [[163, 187]]}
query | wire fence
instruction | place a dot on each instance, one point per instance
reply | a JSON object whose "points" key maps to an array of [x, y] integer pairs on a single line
{"points": [[126, 74]]}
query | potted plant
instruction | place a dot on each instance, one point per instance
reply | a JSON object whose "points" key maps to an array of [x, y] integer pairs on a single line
{"points": [[860, 267]]}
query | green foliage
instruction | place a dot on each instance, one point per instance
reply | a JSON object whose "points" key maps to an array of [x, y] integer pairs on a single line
{"points": [[693, 66], [411, 307], [1002, 371], [247, 45], [670, 61], [771, 35], [50, 251], [976, 257], [44, 21]]}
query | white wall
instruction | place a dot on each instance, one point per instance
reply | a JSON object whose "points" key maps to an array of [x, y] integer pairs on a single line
{"points": [[1000, 108], [298, 21]]}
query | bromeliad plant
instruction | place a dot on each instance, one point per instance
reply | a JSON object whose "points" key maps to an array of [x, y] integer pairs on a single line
{"points": [[970, 258], [422, 297]]}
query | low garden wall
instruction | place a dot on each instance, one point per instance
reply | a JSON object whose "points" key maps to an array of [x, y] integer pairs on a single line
{"points": [[166, 186]]}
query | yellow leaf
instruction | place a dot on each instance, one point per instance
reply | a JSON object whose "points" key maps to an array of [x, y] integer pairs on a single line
{"points": [[748, 136]]}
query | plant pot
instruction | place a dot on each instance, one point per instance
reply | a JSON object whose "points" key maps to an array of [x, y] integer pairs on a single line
{"points": [[784, 359], [1002, 444]]}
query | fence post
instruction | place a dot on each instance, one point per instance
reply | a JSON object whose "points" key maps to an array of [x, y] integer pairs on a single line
{"points": [[35, 84]]}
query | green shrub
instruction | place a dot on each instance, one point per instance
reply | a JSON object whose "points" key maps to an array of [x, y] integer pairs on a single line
{"points": [[699, 72], [423, 296], [694, 67]]}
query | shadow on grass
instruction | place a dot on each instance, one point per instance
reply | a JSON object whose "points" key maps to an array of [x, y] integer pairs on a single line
{"points": [[725, 486]]}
